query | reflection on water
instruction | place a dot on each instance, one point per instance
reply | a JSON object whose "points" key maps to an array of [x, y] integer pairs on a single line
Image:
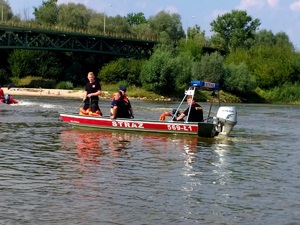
{"points": [[92, 145]]}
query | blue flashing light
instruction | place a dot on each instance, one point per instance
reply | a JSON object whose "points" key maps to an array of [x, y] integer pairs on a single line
{"points": [[197, 83], [202, 84]]}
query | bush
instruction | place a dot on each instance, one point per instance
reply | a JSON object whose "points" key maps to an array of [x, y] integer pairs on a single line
{"points": [[65, 85], [238, 79]]}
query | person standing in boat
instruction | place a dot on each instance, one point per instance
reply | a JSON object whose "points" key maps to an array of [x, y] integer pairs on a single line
{"points": [[91, 97], [119, 108], [123, 89], [196, 113]]}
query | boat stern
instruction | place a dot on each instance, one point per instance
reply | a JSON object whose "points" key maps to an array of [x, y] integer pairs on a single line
{"points": [[207, 130]]}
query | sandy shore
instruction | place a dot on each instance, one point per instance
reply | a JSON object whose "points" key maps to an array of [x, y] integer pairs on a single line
{"points": [[49, 92]]}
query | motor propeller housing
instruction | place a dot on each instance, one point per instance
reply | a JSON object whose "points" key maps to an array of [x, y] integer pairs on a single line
{"points": [[227, 118]]}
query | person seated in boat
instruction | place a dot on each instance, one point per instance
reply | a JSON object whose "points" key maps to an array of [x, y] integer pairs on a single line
{"points": [[126, 101], [119, 109], [196, 113], [91, 97]]}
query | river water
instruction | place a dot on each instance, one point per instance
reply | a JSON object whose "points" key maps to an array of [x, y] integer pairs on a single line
{"points": [[51, 173]]}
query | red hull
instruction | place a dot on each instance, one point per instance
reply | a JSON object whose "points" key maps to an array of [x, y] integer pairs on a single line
{"points": [[131, 124]]}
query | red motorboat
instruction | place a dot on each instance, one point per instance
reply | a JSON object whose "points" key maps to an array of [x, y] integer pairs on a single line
{"points": [[222, 123]]}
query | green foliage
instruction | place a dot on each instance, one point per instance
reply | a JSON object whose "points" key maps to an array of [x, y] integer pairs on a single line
{"points": [[295, 75], [35, 82], [238, 56], [38, 63], [64, 85], [117, 25], [287, 93], [22, 62], [120, 70], [192, 46], [6, 10], [167, 26], [210, 68], [158, 73], [183, 70], [75, 16], [135, 19], [233, 29], [47, 13], [238, 79], [271, 65], [96, 23]]}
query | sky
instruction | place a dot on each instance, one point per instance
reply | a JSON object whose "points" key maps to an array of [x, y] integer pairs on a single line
{"points": [[274, 15]]}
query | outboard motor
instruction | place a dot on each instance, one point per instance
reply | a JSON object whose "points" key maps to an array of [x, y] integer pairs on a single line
{"points": [[6, 98], [227, 118]]}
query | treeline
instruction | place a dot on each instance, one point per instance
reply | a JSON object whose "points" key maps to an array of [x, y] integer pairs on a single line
{"points": [[253, 64]]}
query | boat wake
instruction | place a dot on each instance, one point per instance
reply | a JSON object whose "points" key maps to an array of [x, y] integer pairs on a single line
{"points": [[42, 105]]}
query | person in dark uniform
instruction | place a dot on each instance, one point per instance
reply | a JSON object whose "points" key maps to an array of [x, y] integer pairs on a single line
{"points": [[92, 92], [196, 113], [119, 107], [126, 101]]}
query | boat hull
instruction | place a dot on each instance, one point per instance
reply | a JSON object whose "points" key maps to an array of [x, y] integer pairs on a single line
{"points": [[171, 127]]}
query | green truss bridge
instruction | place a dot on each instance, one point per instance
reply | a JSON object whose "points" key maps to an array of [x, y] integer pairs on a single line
{"points": [[32, 38]]}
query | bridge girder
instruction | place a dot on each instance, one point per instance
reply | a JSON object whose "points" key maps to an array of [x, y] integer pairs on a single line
{"points": [[37, 39]]}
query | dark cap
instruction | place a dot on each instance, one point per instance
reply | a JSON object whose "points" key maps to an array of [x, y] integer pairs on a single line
{"points": [[122, 88]]}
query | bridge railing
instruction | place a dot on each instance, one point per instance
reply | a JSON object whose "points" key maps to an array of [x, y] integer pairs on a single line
{"points": [[35, 26]]}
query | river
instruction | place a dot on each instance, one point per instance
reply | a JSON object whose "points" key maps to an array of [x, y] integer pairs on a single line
{"points": [[51, 173]]}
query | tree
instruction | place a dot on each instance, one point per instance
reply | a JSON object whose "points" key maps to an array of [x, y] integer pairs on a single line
{"points": [[194, 44], [117, 25], [96, 23], [122, 69], [233, 29], [238, 79], [22, 63], [267, 38], [167, 26], [74, 16], [271, 65], [35, 63], [196, 33], [183, 70], [6, 12], [47, 13], [210, 68], [158, 73], [135, 19]]}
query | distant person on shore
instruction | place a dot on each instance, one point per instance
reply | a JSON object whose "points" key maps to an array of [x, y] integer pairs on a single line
{"points": [[196, 113], [126, 101], [119, 107], [91, 97]]}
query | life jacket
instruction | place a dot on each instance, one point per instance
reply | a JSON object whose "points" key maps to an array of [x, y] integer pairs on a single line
{"points": [[89, 112]]}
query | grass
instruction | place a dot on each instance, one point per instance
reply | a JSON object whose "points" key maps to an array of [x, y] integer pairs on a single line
{"points": [[133, 92], [287, 94], [140, 93]]}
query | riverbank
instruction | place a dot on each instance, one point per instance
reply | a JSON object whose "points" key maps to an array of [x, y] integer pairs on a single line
{"points": [[49, 92], [42, 92]]}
